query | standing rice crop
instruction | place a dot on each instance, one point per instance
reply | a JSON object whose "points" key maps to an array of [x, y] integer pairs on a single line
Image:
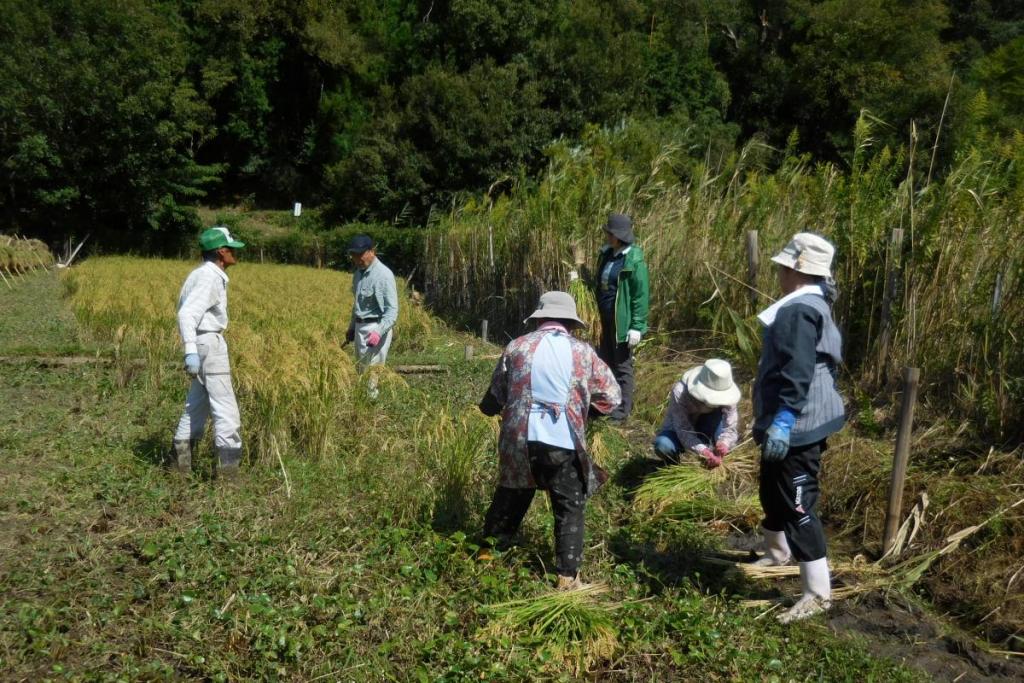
{"points": [[295, 384]]}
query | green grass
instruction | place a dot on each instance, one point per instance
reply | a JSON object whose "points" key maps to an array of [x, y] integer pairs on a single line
{"points": [[114, 570], [33, 320]]}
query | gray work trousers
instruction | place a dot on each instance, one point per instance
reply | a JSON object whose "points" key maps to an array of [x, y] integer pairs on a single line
{"points": [[212, 395]]}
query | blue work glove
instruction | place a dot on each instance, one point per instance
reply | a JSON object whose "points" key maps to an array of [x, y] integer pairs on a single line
{"points": [[192, 364], [776, 439]]}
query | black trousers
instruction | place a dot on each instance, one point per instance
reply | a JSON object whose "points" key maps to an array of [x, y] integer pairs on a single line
{"points": [[789, 495], [620, 359], [556, 470]]}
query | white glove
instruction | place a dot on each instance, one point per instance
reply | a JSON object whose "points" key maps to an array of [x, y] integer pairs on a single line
{"points": [[633, 338], [573, 276]]}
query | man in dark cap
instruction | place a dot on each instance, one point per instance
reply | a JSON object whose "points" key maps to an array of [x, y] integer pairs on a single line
{"points": [[622, 290], [374, 305]]}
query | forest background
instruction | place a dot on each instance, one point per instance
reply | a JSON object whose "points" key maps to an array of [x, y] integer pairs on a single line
{"points": [[117, 118]]}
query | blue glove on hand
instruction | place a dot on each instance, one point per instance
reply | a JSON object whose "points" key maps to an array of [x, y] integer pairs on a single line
{"points": [[192, 364], [776, 441]]}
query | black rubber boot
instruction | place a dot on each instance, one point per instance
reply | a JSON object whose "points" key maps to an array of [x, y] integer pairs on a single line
{"points": [[228, 460], [181, 456]]}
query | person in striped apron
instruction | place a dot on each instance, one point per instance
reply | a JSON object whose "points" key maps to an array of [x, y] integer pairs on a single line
{"points": [[796, 408]]}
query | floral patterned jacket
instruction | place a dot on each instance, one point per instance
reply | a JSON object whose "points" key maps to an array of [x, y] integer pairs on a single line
{"points": [[593, 384]]}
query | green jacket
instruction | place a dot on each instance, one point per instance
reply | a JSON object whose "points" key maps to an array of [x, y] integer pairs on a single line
{"points": [[633, 296]]}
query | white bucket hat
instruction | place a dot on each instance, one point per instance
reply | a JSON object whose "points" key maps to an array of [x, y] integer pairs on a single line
{"points": [[712, 384], [559, 305], [807, 253]]}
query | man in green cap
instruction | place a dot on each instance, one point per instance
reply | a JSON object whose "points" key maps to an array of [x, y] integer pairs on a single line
{"points": [[202, 318]]}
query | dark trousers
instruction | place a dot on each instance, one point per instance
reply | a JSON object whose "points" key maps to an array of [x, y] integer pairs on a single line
{"points": [[620, 359], [556, 470], [789, 496]]}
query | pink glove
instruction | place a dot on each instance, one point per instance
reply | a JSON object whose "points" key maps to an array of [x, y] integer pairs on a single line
{"points": [[721, 450], [373, 339], [711, 461]]}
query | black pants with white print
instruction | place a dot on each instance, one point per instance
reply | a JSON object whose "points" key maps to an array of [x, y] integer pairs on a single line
{"points": [[789, 496], [557, 470]]}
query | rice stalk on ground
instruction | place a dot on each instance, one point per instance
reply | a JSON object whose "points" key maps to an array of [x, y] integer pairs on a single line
{"points": [[572, 624]]}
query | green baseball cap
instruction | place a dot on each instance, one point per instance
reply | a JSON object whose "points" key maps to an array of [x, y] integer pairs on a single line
{"points": [[217, 237]]}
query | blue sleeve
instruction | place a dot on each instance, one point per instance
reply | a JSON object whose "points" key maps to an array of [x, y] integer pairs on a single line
{"points": [[388, 304]]}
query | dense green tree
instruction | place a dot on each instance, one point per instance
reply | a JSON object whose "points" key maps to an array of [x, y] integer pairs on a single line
{"points": [[814, 65], [120, 113], [98, 122]]}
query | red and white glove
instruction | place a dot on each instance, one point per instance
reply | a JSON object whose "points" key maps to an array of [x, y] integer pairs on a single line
{"points": [[373, 338], [721, 450], [711, 459]]}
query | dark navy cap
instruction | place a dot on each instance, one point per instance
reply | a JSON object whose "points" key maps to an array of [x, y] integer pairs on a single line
{"points": [[359, 244]]}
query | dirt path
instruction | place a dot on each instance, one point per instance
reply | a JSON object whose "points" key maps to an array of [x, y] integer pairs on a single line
{"points": [[915, 638]]}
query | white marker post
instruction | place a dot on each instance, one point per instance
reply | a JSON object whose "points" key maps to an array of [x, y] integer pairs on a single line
{"points": [[298, 209]]}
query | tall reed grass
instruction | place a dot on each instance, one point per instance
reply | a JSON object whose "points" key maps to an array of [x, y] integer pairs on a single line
{"points": [[952, 305]]}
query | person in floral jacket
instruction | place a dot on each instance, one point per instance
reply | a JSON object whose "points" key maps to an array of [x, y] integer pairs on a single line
{"points": [[544, 386]]}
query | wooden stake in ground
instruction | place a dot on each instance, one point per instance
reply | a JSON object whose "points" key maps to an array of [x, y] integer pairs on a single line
{"points": [[901, 457]]}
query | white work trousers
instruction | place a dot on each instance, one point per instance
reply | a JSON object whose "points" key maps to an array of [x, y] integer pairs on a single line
{"points": [[211, 393], [371, 355]]}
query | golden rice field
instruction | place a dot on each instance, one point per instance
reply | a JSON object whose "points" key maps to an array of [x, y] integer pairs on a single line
{"points": [[295, 383]]}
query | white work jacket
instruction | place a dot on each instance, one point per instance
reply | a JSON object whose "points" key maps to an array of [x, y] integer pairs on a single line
{"points": [[202, 304]]}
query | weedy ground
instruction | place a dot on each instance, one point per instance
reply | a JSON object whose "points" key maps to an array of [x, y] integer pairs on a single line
{"points": [[348, 556]]}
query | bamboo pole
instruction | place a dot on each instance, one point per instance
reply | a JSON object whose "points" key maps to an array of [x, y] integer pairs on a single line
{"points": [[889, 287], [911, 376], [753, 264]]}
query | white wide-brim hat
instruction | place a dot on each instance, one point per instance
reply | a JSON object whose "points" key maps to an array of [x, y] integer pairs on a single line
{"points": [[712, 384], [558, 305], [807, 253]]}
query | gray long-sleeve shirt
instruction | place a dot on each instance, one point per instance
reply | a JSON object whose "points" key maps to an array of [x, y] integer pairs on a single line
{"points": [[375, 295]]}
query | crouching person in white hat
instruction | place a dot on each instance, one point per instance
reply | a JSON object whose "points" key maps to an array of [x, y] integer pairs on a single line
{"points": [[796, 408], [544, 386], [202, 319], [701, 416]]}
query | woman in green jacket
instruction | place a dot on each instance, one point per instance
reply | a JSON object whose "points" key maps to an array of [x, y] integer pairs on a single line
{"points": [[623, 297]]}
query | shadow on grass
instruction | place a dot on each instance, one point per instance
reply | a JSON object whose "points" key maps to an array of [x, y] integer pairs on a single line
{"points": [[633, 473], [670, 555], [154, 450]]}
